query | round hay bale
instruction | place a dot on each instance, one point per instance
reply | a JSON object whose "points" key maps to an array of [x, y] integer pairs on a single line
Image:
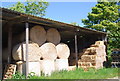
{"points": [[47, 67], [38, 35], [48, 51], [63, 51], [19, 52], [61, 64], [53, 36]]}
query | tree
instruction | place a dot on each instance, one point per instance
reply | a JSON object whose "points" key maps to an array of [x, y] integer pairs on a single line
{"points": [[105, 17], [18, 7], [74, 23], [32, 8]]}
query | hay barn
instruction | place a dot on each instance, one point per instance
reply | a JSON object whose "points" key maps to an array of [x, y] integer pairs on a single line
{"points": [[14, 24]]}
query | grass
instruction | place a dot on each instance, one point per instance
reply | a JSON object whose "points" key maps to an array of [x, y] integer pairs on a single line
{"points": [[81, 74]]}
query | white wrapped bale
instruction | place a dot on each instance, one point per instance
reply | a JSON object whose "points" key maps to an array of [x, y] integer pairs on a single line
{"points": [[63, 51], [48, 51], [47, 67], [38, 35], [19, 52], [61, 64], [32, 67], [53, 36]]}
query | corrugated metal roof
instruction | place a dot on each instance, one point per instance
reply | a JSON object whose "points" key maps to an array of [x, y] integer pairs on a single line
{"points": [[49, 21]]}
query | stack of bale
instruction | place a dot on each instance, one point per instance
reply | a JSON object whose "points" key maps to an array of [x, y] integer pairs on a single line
{"points": [[94, 56], [37, 38], [63, 52], [59, 51], [19, 54], [49, 54], [46, 53]]}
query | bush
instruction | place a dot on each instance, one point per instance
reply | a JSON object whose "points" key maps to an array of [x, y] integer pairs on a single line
{"points": [[17, 75]]}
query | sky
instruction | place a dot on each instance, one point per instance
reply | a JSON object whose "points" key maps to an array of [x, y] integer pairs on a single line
{"points": [[65, 11]]}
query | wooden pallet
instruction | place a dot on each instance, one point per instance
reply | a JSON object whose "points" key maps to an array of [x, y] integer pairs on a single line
{"points": [[9, 71]]}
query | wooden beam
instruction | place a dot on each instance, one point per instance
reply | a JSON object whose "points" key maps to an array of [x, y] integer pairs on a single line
{"points": [[17, 19], [27, 42]]}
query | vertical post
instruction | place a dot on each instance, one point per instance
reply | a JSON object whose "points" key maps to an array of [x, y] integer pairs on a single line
{"points": [[27, 42], [0, 46], [76, 49], [9, 44]]}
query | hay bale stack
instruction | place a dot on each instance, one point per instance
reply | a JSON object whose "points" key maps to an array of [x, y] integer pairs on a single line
{"points": [[47, 67], [53, 36], [19, 52], [38, 35], [63, 51], [93, 56], [95, 65], [48, 51], [61, 64]]}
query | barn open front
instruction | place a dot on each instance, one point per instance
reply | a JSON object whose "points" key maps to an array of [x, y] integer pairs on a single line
{"points": [[52, 45]]}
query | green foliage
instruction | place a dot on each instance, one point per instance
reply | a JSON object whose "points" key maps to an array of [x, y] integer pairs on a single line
{"points": [[32, 8], [105, 16], [17, 75], [18, 7]]}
